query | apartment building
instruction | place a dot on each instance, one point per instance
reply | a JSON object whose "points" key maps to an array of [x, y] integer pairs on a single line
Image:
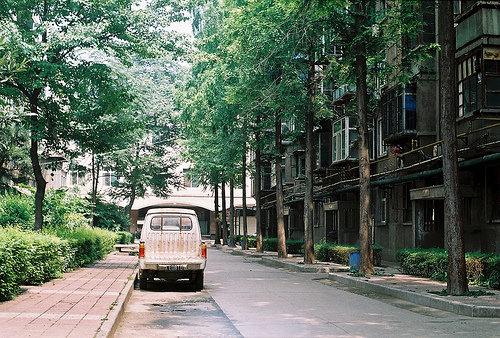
{"points": [[406, 162]]}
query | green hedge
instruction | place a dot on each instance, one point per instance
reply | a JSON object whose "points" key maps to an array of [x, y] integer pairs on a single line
{"points": [[125, 237], [271, 244], [90, 244], [482, 269], [339, 253], [293, 246], [28, 258], [16, 210], [32, 258]]}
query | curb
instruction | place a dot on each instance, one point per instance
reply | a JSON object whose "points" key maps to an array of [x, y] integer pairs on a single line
{"points": [[109, 326], [297, 267], [421, 299]]}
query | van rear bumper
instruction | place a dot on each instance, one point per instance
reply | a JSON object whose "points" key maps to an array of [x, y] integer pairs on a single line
{"points": [[172, 265]]}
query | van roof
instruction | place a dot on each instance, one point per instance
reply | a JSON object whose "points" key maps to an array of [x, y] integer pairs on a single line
{"points": [[170, 211]]}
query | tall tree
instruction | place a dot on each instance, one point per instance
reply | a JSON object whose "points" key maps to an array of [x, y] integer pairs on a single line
{"points": [[58, 38], [457, 275], [244, 198], [280, 218], [150, 157], [217, 219], [366, 257]]}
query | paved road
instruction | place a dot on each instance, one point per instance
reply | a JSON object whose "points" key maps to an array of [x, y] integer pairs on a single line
{"points": [[246, 298]]}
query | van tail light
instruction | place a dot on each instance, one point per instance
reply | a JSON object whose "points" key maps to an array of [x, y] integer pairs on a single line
{"points": [[141, 250], [204, 250]]}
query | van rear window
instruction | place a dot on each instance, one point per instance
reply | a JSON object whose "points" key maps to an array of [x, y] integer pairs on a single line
{"points": [[171, 223]]}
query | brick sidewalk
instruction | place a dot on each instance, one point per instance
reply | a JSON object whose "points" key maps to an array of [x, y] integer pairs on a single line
{"points": [[73, 306]]}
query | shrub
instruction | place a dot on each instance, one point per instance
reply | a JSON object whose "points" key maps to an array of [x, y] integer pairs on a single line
{"points": [[252, 242], [16, 210], [492, 272], [90, 244], [28, 258], [62, 209], [293, 246], [238, 239], [110, 217], [321, 251], [125, 237], [431, 263], [339, 253], [482, 269]]}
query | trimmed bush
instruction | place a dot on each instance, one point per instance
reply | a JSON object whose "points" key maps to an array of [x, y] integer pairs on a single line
{"points": [[339, 253], [293, 246], [90, 244], [125, 237], [28, 258], [16, 210], [482, 269]]}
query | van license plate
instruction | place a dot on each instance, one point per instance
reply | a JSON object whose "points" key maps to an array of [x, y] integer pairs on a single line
{"points": [[172, 267]]}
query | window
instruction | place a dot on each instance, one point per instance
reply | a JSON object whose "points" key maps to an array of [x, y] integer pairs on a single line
{"points": [[381, 208], [189, 181], [461, 6], [427, 34], [400, 110], [266, 177], [407, 204], [322, 151], [492, 76], [171, 223], [344, 139], [382, 149], [469, 85], [109, 179]]}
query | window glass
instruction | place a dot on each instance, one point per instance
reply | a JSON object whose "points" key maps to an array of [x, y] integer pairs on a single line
{"points": [[493, 83], [490, 66], [186, 223], [466, 97], [473, 94], [156, 223], [493, 99], [171, 223]]}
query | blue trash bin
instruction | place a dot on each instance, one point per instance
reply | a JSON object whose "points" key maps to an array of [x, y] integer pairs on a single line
{"points": [[354, 259]]}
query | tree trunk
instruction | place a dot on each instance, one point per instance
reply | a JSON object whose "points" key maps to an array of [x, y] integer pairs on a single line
{"points": [[128, 208], [95, 182], [308, 197], [365, 226], [457, 276], [258, 184], [231, 213], [35, 163], [244, 201], [280, 209], [217, 220], [40, 184], [224, 214]]}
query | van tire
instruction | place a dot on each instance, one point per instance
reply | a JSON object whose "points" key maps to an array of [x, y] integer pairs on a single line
{"points": [[198, 281], [143, 282]]}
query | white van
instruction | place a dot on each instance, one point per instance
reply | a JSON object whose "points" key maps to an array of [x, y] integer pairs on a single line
{"points": [[171, 248]]}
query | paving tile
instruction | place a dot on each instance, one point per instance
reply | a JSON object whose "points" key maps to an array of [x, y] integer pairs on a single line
{"points": [[72, 306]]}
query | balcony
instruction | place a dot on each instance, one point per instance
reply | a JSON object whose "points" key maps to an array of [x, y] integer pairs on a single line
{"points": [[344, 94]]}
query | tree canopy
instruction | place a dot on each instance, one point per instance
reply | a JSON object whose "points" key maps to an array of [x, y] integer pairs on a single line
{"points": [[69, 78]]}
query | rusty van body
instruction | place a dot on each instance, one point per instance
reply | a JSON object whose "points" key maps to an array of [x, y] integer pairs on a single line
{"points": [[171, 247]]}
